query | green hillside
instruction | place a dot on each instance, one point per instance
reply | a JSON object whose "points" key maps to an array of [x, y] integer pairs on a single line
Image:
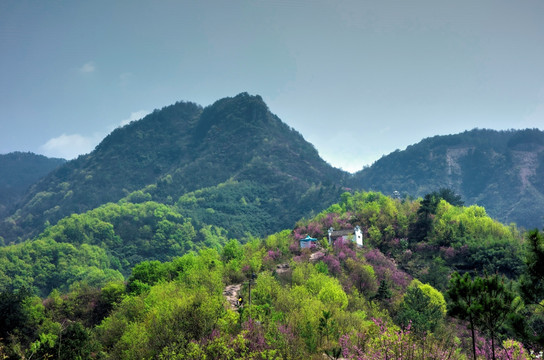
{"points": [[397, 297], [500, 170], [182, 148], [18, 171], [238, 145], [102, 244], [140, 249]]}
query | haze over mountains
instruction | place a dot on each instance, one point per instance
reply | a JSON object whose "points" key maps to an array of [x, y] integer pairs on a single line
{"points": [[500, 170], [184, 148], [236, 165], [18, 171]]}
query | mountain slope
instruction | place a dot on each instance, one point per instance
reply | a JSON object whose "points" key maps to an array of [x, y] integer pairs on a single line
{"points": [[500, 170], [18, 171], [180, 149]]}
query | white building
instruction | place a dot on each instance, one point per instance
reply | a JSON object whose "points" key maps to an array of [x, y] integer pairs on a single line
{"points": [[355, 235]]}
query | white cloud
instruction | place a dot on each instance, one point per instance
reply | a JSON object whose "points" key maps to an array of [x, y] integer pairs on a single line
{"points": [[88, 67], [137, 115], [69, 146]]}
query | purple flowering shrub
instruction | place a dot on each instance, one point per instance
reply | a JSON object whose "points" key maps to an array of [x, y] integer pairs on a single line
{"points": [[510, 350], [333, 264], [318, 227], [254, 334], [386, 341], [314, 229], [386, 269], [337, 221], [271, 258], [284, 338], [249, 343], [447, 252], [299, 233], [344, 249], [294, 248], [362, 276]]}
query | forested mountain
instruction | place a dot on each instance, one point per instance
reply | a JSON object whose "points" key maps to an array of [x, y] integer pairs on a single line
{"points": [[135, 250], [183, 148], [500, 170], [18, 171], [432, 281], [236, 165]]}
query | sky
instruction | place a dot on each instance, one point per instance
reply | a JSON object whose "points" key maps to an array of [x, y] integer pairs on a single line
{"points": [[358, 79]]}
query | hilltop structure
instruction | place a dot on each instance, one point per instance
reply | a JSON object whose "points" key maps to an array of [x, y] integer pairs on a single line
{"points": [[354, 234]]}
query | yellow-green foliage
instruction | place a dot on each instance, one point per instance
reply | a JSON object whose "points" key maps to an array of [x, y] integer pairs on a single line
{"points": [[171, 312], [176, 309], [44, 264], [436, 296], [474, 220], [280, 241]]}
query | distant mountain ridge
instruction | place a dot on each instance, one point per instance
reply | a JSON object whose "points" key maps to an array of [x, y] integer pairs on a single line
{"points": [[182, 148], [18, 171], [236, 165], [500, 170]]}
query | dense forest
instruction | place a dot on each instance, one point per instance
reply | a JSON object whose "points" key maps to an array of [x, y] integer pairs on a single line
{"points": [[435, 279], [18, 171], [184, 148], [179, 237], [500, 170]]}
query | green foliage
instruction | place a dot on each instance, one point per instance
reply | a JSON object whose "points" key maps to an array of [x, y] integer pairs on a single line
{"points": [[12, 307], [322, 268], [147, 274], [233, 165], [496, 303], [101, 245], [313, 306], [169, 311], [482, 166], [487, 303], [20, 171], [435, 297], [172, 314], [384, 291], [422, 308], [45, 264], [232, 251], [530, 324], [532, 281]]}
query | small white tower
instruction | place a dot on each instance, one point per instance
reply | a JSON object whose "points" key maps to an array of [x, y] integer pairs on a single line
{"points": [[358, 236]]}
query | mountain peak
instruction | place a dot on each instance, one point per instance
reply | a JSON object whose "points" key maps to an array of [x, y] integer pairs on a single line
{"points": [[178, 149]]}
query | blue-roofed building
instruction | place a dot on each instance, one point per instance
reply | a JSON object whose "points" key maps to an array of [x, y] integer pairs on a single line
{"points": [[307, 242]]}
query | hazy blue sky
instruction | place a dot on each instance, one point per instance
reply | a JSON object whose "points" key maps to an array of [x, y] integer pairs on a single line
{"points": [[358, 79]]}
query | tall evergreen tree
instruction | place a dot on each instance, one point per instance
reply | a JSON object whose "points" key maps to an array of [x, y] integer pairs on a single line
{"points": [[496, 303], [463, 299], [418, 310], [532, 281], [486, 302], [531, 286]]}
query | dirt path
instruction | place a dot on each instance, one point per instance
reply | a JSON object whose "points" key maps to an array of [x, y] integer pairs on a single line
{"points": [[317, 256], [282, 268], [231, 294]]}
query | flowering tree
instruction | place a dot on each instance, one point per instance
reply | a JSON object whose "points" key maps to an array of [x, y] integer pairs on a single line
{"points": [[386, 341]]}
